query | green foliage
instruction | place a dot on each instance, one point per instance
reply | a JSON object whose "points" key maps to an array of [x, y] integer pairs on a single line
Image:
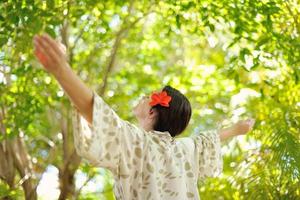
{"points": [[232, 59], [7, 193]]}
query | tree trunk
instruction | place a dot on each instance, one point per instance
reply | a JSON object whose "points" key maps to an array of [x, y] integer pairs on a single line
{"points": [[24, 167], [7, 170], [71, 160]]}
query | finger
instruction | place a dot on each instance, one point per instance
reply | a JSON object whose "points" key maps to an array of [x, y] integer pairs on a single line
{"points": [[52, 43], [41, 57], [47, 50], [251, 122], [40, 48], [61, 46], [40, 54]]}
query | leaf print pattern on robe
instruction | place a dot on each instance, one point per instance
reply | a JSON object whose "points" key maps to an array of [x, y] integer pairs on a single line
{"points": [[103, 143], [208, 154], [147, 165]]}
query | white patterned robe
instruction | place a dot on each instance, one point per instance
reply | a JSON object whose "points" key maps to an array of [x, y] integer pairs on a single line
{"points": [[147, 165]]}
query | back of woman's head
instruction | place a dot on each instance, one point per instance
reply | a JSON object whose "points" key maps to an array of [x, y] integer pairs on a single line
{"points": [[176, 117]]}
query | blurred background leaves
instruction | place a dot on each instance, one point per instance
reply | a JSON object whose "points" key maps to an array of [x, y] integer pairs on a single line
{"points": [[233, 59]]}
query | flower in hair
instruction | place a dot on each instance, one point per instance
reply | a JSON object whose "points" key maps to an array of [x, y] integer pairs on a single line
{"points": [[161, 98]]}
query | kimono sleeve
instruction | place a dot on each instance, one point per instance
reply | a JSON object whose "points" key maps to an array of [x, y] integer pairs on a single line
{"points": [[208, 154], [104, 142]]}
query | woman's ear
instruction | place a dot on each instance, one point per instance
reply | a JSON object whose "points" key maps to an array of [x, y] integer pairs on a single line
{"points": [[152, 113]]}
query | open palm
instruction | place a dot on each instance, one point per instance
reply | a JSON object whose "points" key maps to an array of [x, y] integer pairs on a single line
{"points": [[50, 53]]}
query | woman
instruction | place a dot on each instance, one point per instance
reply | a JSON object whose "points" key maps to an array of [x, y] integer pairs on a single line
{"points": [[147, 162]]}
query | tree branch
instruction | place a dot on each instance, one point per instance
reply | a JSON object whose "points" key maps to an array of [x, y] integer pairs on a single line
{"points": [[119, 36], [24, 167], [71, 50], [82, 186]]}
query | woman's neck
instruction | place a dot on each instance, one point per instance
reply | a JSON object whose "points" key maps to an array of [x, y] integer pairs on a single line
{"points": [[146, 125]]}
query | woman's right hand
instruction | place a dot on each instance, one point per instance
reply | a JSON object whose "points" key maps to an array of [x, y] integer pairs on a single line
{"points": [[244, 126], [50, 53], [240, 128]]}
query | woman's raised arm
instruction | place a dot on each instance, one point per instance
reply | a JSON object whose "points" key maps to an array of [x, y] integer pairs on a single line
{"points": [[240, 128], [53, 58]]}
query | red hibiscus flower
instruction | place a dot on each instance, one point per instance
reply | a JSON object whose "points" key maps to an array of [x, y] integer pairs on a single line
{"points": [[161, 98]]}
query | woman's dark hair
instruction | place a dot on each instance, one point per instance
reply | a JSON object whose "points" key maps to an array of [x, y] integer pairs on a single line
{"points": [[176, 117]]}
